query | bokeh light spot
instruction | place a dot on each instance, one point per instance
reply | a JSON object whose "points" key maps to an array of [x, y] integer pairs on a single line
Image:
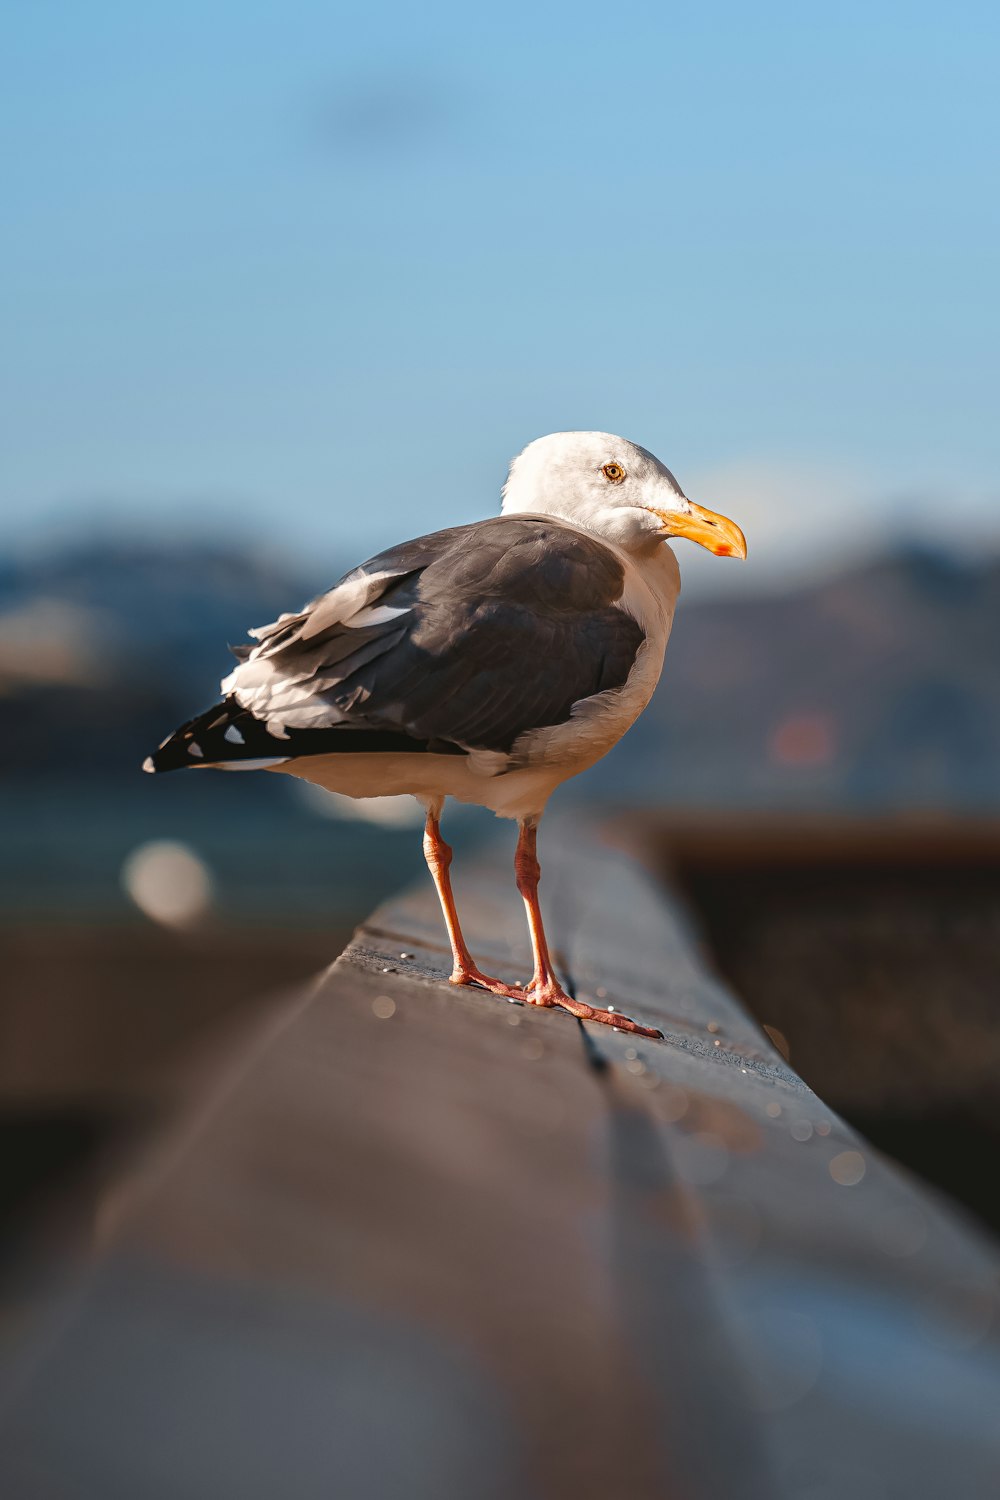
{"points": [[169, 882], [803, 740], [847, 1168]]}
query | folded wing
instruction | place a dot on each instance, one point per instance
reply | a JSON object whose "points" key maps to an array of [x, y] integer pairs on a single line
{"points": [[464, 639]]}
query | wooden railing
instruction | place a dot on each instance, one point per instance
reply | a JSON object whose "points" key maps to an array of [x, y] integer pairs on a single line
{"points": [[415, 1241]]}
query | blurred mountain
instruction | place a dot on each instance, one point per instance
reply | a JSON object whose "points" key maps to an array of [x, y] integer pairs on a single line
{"points": [[164, 600], [144, 639], [877, 688]]}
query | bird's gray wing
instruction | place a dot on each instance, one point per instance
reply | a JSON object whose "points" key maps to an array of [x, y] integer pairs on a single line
{"points": [[467, 637]]}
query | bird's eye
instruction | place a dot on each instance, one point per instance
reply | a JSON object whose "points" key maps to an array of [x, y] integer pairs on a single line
{"points": [[614, 472]]}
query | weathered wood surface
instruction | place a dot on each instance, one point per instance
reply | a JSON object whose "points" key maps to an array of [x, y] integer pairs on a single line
{"points": [[423, 1242]]}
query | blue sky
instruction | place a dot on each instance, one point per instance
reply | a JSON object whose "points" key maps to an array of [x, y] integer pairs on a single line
{"points": [[314, 273]]}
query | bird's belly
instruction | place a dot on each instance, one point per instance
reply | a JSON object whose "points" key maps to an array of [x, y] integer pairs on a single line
{"points": [[511, 794]]}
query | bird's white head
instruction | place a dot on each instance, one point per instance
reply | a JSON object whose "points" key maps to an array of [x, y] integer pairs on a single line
{"points": [[615, 489]]}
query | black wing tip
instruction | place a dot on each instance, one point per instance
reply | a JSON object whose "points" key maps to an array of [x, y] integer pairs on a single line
{"points": [[184, 748], [224, 735], [172, 755]]}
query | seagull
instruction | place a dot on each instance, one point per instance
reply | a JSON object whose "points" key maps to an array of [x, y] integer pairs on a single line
{"points": [[487, 662]]}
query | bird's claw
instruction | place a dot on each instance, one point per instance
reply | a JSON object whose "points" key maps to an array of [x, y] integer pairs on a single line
{"points": [[469, 974], [550, 993]]}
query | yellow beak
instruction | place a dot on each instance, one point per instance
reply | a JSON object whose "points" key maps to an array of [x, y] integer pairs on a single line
{"points": [[717, 533]]}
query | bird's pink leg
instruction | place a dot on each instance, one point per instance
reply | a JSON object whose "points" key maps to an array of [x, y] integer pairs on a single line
{"points": [[465, 970], [545, 988]]}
